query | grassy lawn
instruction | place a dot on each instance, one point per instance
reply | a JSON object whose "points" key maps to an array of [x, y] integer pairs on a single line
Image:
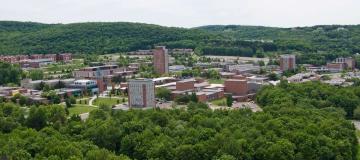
{"points": [[82, 101], [108, 101], [58, 67], [219, 102], [216, 81], [79, 109]]}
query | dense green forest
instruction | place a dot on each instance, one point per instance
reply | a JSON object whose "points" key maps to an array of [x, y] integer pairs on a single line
{"points": [[312, 94], [291, 127], [26, 37], [332, 38], [313, 45], [102, 38], [10, 73]]}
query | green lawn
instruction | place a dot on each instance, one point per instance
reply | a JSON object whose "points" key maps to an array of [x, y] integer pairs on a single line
{"points": [[108, 101], [216, 81], [82, 101], [58, 67], [219, 102], [79, 109]]}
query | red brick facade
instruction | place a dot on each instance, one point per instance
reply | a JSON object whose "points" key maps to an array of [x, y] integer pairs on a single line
{"points": [[65, 57], [185, 85], [161, 60], [287, 62], [236, 86]]}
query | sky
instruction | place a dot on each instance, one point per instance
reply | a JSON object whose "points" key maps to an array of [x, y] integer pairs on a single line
{"points": [[186, 13]]}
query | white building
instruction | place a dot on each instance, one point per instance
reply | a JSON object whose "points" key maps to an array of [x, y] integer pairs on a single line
{"points": [[141, 93], [242, 68]]}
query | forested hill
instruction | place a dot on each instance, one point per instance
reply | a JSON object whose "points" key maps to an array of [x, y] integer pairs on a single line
{"points": [[333, 38], [115, 37], [28, 37]]}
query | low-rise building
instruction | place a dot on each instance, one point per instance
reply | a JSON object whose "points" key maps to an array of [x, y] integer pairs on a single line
{"points": [[184, 85], [209, 94], [339, 64], [177, 68], [243, 88], [227, 75], [89, 87], [336, 67], [303, 77], [242, 68], [30, 84], [36, 63], [64, 57]]}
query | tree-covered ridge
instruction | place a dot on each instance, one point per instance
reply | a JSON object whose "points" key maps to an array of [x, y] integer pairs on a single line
{"points": [[332, 38], [13, 26], [311, 94], [16, 37], [278, 133], [114, 37]]}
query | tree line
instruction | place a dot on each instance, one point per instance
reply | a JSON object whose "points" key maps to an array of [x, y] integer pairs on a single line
{"points": [[102, 38], [281, 132]]}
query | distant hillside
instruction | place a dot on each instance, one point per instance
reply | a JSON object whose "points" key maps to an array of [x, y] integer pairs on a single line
{"points": [[115, 37], [28, 37], [331, 38]]}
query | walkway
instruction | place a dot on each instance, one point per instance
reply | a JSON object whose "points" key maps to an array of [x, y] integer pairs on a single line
{"points": [[92, 100]]}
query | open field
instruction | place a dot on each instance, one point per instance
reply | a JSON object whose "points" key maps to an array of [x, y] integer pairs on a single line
{"points": [[108, 101], [219, 102], [79, 109], [216, 81]]}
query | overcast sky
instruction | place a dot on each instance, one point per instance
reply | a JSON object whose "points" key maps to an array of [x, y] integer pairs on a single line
{"points": [[186, 13]]}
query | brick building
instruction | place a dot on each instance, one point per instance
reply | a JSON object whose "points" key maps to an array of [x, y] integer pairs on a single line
{"points": [[341, 63], [35, 63], [36, 60], [51, 57], [161, 60], [65, 57], [209, 94], [287, 62], [36, 56], [184, 85], [236, 86], [336, 67]]}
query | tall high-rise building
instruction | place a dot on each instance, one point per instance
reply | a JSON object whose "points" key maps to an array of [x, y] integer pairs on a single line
{"points": [[161, 60], [141, 93], [287, 62]]}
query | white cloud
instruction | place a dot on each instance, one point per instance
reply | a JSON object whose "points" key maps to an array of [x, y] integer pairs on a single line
{"points": [[186, 13]]}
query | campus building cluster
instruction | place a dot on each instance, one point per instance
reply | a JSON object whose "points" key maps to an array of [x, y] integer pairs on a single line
{"points": [[240, 79], [36, 60]]}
